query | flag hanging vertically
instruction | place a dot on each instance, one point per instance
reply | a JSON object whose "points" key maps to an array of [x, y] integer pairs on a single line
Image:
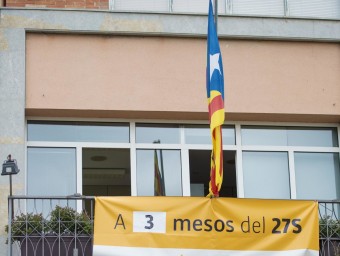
{"points": [[158, 183], [215, 94]]}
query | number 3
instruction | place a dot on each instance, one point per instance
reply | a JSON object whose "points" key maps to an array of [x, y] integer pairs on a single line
{"points": [[150, 217]]}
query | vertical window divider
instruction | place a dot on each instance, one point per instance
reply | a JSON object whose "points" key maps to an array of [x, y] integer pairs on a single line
{"points": [[25, 156], [79, 175], [185, 172], [133, 160], [339, 139], [185, 164], [239, 168], [292, 175], [338, 134]]}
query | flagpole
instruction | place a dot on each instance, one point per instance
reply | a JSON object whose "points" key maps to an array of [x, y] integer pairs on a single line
{"points": [[216, 14], [215, 93], [161, 167], [162, 170]]}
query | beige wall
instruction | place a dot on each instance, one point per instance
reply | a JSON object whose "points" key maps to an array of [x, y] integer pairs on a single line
{"points": [[158, 77]]}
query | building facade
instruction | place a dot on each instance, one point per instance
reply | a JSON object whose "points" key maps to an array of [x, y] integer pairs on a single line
{"points": [[88, 97]]}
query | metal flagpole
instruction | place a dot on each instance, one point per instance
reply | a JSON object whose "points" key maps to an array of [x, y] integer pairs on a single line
{"points": [[162, 171], [161, 167], [216, 13]]}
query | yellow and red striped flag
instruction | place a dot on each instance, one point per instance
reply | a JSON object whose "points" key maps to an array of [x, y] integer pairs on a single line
{"points": [[215, 94], [159, 182]]}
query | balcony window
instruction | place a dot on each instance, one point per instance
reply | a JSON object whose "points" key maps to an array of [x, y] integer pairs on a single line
{"points": [[266, 175]]}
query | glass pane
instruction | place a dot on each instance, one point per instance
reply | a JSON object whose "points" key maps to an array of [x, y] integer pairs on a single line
{"points": [[145, 5], [151, 133], [266, 175], [200, 134], [317, 176], [50, 172], [169, 161], [196, 6], [313, 137], [259, 7], [78, 132], [264, 136], [315, 8], [289, 136]]}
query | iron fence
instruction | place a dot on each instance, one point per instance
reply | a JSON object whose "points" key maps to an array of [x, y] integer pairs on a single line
{"points": [[63, 226], [329, 228], [50, 226]]}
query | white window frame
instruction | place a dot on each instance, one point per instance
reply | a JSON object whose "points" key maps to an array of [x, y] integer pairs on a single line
{"points": [[184, 148]]}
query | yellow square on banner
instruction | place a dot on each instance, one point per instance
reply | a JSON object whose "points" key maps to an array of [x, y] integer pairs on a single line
{"points": [[130, 226]]}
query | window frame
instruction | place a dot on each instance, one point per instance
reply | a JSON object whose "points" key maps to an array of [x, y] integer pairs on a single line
{"points": [[184, 148]]}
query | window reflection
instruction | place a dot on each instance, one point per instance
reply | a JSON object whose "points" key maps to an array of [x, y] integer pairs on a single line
{"points": [[313, 137], [152, 133], [317, 176], [169, 163], [51, 172], [289, 136], [266, 175], [78, 132]]}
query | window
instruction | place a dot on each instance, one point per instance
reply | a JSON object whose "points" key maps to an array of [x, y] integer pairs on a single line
{"points": [[153, 133], [137, 5], [266, 175], [289, 136], [329, 9], [106, 172], [303, 162], [317, 175], [115, 159], [259, 7], [168, 162], [78, 132], [315, 8], [52, 171]]}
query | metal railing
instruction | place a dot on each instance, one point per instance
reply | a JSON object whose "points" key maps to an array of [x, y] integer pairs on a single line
{"points": [[329, 228], [50, 226], [63, 226]]}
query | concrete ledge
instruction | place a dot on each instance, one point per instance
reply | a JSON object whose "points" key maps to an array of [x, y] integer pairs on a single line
{"points": [[191, 25]]}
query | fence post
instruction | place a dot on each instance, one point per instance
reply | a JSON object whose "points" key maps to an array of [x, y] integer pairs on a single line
{"points": [[10, 217]]}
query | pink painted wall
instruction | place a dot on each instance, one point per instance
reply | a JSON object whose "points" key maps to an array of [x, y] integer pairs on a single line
{"points": [[159, 77]]}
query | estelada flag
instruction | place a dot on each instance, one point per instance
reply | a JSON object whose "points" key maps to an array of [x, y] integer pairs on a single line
{"points": [[215, 94]]}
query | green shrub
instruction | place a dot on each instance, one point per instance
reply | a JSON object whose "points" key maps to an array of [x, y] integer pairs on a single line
{"points": [[62, 220], [329, 227], [66, 220], [26, 224]]}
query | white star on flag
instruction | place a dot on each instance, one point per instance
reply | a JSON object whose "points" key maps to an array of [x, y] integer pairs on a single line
{"points": [[214, 63]]}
